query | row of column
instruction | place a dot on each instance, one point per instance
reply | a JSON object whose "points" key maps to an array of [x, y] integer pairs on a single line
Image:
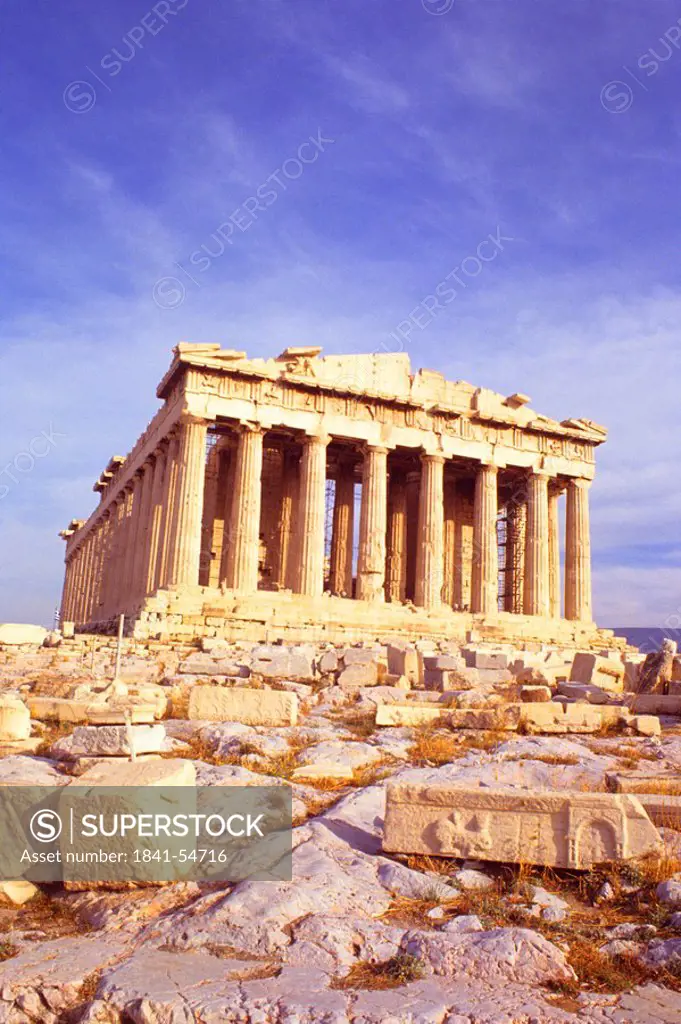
{"points": [[147, 537], [384, 518]]}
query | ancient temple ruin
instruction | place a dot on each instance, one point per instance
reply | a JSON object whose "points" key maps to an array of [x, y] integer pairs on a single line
{"points": [[340, 497]]}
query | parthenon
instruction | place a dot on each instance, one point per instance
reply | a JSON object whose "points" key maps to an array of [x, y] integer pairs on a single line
{"points": [[342, 494]]}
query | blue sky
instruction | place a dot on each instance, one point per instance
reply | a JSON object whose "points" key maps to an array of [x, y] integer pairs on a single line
{"points": [[132, 132]]}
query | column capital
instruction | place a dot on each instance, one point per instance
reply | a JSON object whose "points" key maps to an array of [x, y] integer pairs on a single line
{"points": [[249, 427], [580, 482], [376, 449], [435, 458], [188, 418], [317, 439]]}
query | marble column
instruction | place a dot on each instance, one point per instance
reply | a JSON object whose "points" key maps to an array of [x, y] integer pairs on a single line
{"points": [[226, 460], [554, 554], [449, 585], [413, 498], [342, 534], [185, 554], [109, 563], [168, 506], [75, 598], [396, 565], [537, 574], [578, 552], [485, 581], [131, 539], [287, 553], [150, 557], [430, 542], [243, 534], [64, 607], [516, 531], [84, 577], [142, 532], [312, 512], [93, 597], [104, 564], [373, 524]]}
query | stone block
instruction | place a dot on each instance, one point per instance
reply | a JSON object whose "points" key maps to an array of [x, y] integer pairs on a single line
{"points": [[237, 704], [110, 741], [359, 674], [656, 704], [15, 633], [643, 780], [68, 630], [585, 691], [604, 672], [558, 829], [676, 669], [19, 892], [328, 663], [662, 809], [360, 656], [404, 661], [646, 725], [486, 659], [409, 715], [15, 719], [58, 709], [103, 714], [535, 694], [443, 663], [167, 772]]}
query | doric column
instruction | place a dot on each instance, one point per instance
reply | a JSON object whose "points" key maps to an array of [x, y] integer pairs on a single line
{"points": [[286, 566], [485, 582], [243, 534], [413, 498], [168, 508], [342, 535], [109, 563], [142, 530], [80, 585], [154, 536], [185, 554], [130, 539], [223, 512], [430, 543], [449, 585], [578, 552], [373, 523], [103, 564], [554, 554], [64, 607], [537, 592], [396, 565], [312, 511], [93, 594], [516, 531]]}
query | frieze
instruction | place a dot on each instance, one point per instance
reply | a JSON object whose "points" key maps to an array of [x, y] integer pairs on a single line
{"points": [[287, 396]]}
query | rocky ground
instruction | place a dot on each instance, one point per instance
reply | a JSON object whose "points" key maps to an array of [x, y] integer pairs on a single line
{"points": [[356, 936]]}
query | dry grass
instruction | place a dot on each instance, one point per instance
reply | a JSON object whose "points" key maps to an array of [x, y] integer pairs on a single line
{"points": [[547, 758], [7, 951], [481, 740], [399, 970], [433, 746], [360, 723], [599, 972], [54, 732], [629, 752]]}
